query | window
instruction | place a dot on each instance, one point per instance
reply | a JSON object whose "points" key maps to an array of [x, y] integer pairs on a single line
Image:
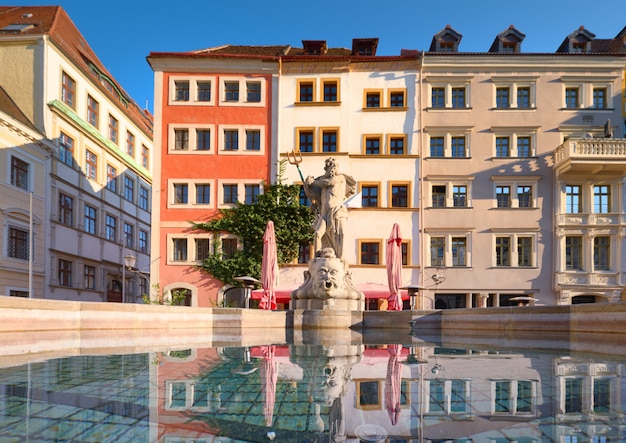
{"points": [[231, 140], [19, 173], [203, 139], [438, 97], [306, 91], [179, 249], [65, 273], [372, 145], [231, 91], [523, 97], [305, 141], [143, 241], [129, 189], [89, 277], [573, 395], [253, 92], [229, 248], [396, 99], [370, 253], [503, 97], [503, 196], [459, 250], [369, 196], [436, 147], [438, 196], [145, 156], [458, 97], [204, 91], [305, 254], [66, 211], [92, 111], [68, 90], [573, 252], [602, 253], [399, 196], [143, 198], [458, 147], [203, 194], [459, 196], [66, 149], [437, 250], [601, 199], [524, 196], [111, 178], [372, 99], [181, 139], [502, 147], [523, 147], [396, 145], [600, 98], [113, 125], [202, 248], [91, 164], [181, 91], [181, 193], [602, 395], [89, 220], [129, 240], [571, 98], [230, 193], [18, 243], [252, 193], [503, 251], [253, 140], [369, 394], [524, 251], [110, 229], [130, 143], [572, 199], [330, 91], [329, 140]]}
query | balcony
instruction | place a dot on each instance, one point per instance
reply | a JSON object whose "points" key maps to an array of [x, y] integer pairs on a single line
{"points": [[603, 156]]}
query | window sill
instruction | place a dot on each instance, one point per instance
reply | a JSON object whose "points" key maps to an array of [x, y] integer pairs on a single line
{"points": [[305, 104], [530, 108], [387, 109], [467, 108], [449, 207], [447, 158]]}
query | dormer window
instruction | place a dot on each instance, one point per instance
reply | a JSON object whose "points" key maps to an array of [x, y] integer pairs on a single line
{"points": [[579, 47], [314, 47], [508, 41], [446, 40], [364, 46]]}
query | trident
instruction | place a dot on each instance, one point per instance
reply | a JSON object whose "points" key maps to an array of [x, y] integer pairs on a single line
{"points": [[295, 158]]}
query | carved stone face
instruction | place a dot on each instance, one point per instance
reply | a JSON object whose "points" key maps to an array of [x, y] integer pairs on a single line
{"points": [[328, 276]]}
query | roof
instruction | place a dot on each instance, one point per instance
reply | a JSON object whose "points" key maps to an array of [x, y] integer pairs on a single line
{"points": [[54, 22], [9, 107]]}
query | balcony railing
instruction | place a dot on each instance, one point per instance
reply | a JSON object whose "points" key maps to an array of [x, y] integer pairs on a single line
{"points": [[605, 154]]}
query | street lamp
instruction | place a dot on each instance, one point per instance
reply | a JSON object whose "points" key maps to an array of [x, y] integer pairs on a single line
{"points": [[248, 284], [129, 264], [413, 291]]}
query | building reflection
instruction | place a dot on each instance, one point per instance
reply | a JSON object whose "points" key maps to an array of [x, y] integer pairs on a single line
{"points": [[318, 393]]}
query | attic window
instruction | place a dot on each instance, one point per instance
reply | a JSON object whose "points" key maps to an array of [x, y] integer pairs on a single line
{"points": [[314, 47], [509, 47], [446, 46], [18, 27], [579, 47], [364, 46]]}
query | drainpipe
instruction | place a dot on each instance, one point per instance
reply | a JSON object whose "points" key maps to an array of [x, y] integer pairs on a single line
{"points": [[421, 182]]}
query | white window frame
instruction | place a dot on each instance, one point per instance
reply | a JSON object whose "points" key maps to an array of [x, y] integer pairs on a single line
{"points": [[585, 86], [241, 190], [193, 90], [447, 389], [513, 258], [514, 83], [448, 83], [513, 398], [241, 130], [449, 182], [513, 183], [192, 141], [191, 193], [447, 254], [242, 80], [513, 133], [447, 133]]}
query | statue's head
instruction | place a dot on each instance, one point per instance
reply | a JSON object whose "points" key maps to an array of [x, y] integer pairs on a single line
{"points": [[328, 275], [330, 166]]}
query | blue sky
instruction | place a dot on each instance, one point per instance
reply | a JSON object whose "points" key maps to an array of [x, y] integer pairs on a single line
{"points": [[123, 33]]}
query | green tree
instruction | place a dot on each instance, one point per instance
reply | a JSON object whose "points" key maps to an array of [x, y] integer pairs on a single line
{"points": [[292, 228]]}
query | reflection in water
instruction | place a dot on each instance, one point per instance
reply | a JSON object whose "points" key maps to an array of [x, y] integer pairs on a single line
{"points": [[317, 393]]}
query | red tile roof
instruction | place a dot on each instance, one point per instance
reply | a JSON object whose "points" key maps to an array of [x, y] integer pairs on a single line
{"points": [[56, 23]]}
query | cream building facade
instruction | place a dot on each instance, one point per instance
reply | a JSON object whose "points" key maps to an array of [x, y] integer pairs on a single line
{"points": [[98, 189]]}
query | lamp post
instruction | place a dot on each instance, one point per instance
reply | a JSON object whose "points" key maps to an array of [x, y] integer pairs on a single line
{"points": [[248, 284], [129, 263], [413, 291]]}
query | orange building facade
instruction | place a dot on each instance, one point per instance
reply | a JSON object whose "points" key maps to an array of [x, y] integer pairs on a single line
{"points": [[213, 142]]}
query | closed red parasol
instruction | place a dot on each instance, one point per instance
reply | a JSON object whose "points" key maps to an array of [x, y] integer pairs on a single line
{"points": [[394, 268], [269, 268]]}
